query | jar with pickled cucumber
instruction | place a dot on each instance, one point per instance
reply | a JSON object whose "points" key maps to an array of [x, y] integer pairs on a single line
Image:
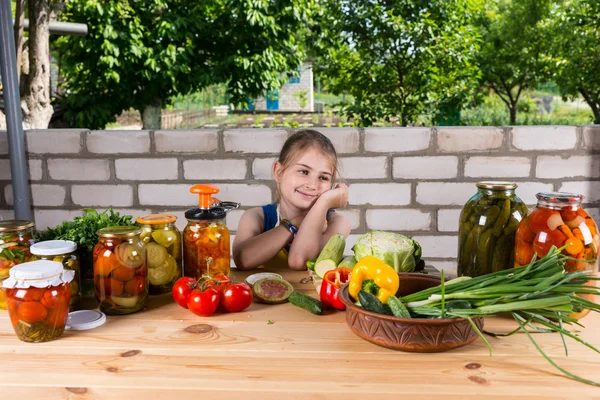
{"points": [[120, 271], [488, 223], [64, 252], [559, 220], [16, 236], [163, 251], [38, 295]]}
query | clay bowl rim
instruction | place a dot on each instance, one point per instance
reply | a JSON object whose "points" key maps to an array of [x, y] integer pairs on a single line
{"points": [[345, 297]]}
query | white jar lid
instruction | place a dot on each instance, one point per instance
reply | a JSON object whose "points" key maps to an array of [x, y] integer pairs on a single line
{"points": [[83, 320], [39, 273], [53, 247]]}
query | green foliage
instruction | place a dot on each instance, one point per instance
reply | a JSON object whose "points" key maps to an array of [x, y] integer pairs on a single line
{"points": [[577, 36], [401, 58], [138, 52], [302, 97]]}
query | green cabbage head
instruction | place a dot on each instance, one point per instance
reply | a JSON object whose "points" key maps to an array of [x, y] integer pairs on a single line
{"points": [[396, 250]]}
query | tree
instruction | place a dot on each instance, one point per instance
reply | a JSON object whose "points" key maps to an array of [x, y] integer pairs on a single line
{"points": [[141, 54], [401, 58], [577, 56], [514, 54]]}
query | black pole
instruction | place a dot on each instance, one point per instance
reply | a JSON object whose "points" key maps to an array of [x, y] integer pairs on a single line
{"points": [[12, 109]]}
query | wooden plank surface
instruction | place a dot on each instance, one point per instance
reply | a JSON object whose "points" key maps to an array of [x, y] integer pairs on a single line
{"points": [[279, 352]]}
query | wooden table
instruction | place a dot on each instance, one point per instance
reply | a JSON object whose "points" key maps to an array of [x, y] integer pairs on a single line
{"points": [[279, 352]]}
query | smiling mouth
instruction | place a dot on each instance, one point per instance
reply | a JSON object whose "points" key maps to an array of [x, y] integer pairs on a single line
{"points": [[308, 196]]}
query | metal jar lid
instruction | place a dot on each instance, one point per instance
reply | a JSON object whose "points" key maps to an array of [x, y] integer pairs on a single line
{"points": [[205, 214], [53, 247], [496, 185], [152, 219], [12, 225], [119, 232]]}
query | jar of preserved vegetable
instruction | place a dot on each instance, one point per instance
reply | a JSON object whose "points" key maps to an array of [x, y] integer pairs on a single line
{"points": [[559, 220], [16, 236], [488, 223], [120, 273], [64, 252], [38, 294], [163, 251], [206, 237]]}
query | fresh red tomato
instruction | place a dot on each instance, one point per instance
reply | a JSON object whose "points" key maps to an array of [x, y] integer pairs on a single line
{"points": [[219, 282], [203, 303], [182, 289], [236, 297]]}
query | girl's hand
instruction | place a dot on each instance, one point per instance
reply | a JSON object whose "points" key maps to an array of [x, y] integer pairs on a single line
{"points": [[337, 197]]}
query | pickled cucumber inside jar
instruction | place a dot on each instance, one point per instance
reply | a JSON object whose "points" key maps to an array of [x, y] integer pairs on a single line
{"points": [[163, 274], [130, 255]]}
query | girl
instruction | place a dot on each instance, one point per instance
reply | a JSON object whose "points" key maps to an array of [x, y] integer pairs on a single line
{"points": [[299, 225]]}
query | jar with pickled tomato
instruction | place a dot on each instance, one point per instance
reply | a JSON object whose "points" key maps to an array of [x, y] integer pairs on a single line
{"points": [[38, 295], [64, 252], [120, 271], [16, 236], [559, 220], [206, 239], [163, 251]]}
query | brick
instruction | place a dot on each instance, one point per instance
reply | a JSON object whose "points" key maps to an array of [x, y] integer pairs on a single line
{"points": [[447, 220], [146, 169], [186, 141], [114, 142], [425, 167], [527, 191], [179, 195], [591, 137], [34, 167], [440, 193], [550, 167], [398, 140], [398, 220], [590, 190], [3, 142], [7, 214], [233, 219], [544, 137], [472, 139], [345, 140], [594, 212], [50, 218], [363, 167], [55, 141], [41, 195], [497, 167], [353, 216], [438, 246], [262, 168], [214, 169], [379, 194], [102, 195], [254, 140], [74, 169]]}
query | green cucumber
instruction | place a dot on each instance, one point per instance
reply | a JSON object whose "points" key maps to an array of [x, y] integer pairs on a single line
{"points": [[370, 302], [331, 255], [397, 307], [310, 264], [348, 262], [308, 303]]}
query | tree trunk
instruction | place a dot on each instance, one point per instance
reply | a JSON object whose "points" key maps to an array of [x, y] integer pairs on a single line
{"points": [[151, 115], [513, 113], [594, 105], [37, 110], [19, 27]]}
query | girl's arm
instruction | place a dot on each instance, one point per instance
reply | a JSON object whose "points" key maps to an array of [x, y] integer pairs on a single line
{"points": [[310, 238], [253, 247]]}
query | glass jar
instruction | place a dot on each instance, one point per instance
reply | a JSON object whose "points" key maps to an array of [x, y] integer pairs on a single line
{"points": [[16, 236], [120, 273], [488, 223], [38, 295], [163, 251], [64, 252], [558, 220]]}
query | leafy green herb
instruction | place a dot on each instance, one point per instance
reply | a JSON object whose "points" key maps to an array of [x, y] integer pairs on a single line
{"points": [[269, 322]]}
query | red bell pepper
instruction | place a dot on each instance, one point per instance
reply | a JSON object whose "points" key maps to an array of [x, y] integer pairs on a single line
{"points": [[330, 288]]}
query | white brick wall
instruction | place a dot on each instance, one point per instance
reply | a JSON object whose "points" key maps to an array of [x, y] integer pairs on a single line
{"points": [[398, 220], [527, 191], [590, 190], [447, 220], [77, 169], [438, 246], [497, 167], [425, 167], [102, 195], [184, 141], [262, 168], [442, 193], [451, 140], [554, 167], [41, 195], [166, 195], [56, 141], [363, 167], [379, 194], [208, 170], [146, 169], [591, 137], [544, 137], [50, 218], [254, 140], [353, 216], [343, 139], [34, 167], [114, 142], [399, 140]]}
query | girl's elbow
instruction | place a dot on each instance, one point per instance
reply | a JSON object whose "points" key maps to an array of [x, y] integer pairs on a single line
{"points": [[297, 263]]}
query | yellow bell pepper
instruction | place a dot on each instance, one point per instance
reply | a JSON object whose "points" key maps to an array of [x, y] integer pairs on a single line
{"points": [[385, 280]]}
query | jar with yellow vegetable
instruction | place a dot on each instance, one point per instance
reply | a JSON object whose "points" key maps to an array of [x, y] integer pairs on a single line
{"points": [[64, 252], [16, 236], [163, 251]]}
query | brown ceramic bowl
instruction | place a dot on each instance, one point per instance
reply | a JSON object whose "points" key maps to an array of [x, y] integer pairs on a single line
{"points": [[409, 334]]}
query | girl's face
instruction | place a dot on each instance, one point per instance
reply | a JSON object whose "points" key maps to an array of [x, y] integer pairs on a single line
{"points": [[308, 177]]}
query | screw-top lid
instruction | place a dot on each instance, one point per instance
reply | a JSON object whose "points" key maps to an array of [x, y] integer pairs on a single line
{"points": [[53, 247], [119, 231], [152, 219], [15, 225], [496, 185], [559, 199], [205, 192], [39, 273], [203, 214], [83, 320]]}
